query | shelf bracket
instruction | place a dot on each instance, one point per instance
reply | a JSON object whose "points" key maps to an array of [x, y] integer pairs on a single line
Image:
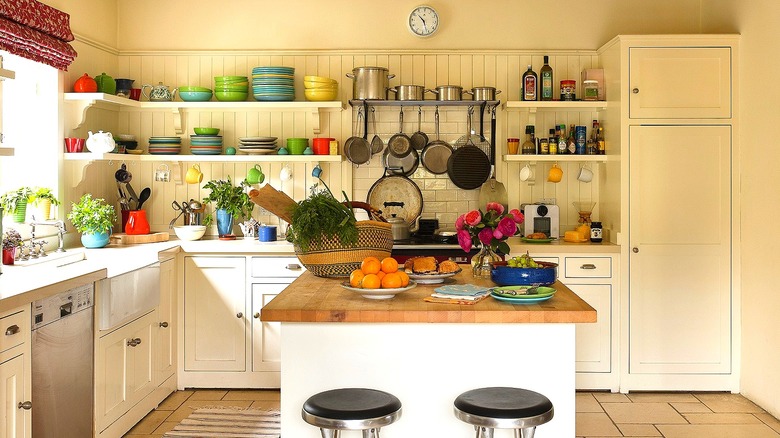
{"points": [[79, 115], [314, 115], [177, 120], [177, 171]]}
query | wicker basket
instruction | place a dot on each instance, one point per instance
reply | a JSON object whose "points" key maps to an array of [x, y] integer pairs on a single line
{"points": [[329, 258]]}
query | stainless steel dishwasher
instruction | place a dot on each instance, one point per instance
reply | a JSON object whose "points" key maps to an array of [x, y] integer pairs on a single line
{"points": [[62, 364]]}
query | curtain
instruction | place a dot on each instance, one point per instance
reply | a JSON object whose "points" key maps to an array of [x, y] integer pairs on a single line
{"points": [[36, 31]]}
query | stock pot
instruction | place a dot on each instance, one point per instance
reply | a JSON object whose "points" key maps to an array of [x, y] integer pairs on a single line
{"points": [[370, 83]]}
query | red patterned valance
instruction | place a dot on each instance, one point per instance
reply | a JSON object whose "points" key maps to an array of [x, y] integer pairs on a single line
{"points": [[36, 31]]}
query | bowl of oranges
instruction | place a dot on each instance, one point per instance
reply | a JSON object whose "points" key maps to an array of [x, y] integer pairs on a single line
{"points": [[378, 279]]}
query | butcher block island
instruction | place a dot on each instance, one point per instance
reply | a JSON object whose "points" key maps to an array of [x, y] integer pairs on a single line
{"points": [[424, 353]]}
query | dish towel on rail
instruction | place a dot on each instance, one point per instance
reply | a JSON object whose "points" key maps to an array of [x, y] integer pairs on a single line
{"points": [[228, 422]]}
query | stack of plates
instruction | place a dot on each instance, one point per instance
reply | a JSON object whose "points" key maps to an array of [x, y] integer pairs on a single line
{"points": [[257, 145], [206, 144], [164, 145], [273, 83]]}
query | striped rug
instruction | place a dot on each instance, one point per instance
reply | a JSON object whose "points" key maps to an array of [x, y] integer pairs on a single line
{"points": [[228, 422]]}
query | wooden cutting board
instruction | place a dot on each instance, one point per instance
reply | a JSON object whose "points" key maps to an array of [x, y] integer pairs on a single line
{"points": [[130, 239]]}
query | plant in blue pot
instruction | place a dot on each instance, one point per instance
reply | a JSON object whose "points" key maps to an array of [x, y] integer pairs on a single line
{"points": [[94, 219], [231, 203]]}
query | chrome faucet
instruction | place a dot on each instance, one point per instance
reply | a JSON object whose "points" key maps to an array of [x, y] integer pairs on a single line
{"points": [[40, 252]]}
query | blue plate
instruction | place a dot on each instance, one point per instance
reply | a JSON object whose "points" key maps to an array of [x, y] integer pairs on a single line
{"points": [[520, 300]]}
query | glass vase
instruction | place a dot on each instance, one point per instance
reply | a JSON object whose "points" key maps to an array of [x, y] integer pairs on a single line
{"points": [[481, 262]]}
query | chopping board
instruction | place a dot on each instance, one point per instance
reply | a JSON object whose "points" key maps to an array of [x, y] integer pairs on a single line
{"points": [[130, 239]]}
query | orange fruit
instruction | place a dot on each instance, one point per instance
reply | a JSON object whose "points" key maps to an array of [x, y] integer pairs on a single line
{"points": [[389, 265], [404, 278], [370, 281], [392, 281], [356, 277], [370, 265], [380, 274]]}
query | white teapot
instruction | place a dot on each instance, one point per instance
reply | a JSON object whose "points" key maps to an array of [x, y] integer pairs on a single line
{"points": [[100, 143]]}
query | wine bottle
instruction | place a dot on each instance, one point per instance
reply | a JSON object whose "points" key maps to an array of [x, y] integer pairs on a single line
{"points": [[529, 84], [546, 74]]}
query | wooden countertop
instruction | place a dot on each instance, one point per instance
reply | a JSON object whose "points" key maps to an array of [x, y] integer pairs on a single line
{"points": [[316, 299]]}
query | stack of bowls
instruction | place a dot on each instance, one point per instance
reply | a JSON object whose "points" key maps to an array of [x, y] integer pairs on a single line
{"points": [[273, 83], [195, 94], [231, 88], [257, 145], [125, 142], [296, 146], [164, 145], [206, 142], [318, 88]]}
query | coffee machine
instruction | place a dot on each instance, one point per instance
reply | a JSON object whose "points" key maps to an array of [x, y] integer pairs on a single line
{"points": [[541, 218]]}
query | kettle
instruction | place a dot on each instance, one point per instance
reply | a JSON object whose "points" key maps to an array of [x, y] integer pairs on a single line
{"points": [[101, 142], [159, 92], [399, 228]]}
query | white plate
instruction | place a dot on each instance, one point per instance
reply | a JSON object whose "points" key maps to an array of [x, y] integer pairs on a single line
{"points": [[379, 294], [257, 138], [431, 278], [258, 151]]}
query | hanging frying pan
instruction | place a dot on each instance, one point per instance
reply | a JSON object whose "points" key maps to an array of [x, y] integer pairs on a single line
{"points": [[468, 167], [436, 154], [401, 166], [400, 145], [396, 196], [357, 149]]}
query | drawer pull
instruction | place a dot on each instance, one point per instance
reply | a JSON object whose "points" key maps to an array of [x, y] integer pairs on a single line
{"points": [[257, 315], [588, 266], [164, 324], [239, 315], [294, 267], [26, 405], [635, 90], [134, 342], [10, 331]]}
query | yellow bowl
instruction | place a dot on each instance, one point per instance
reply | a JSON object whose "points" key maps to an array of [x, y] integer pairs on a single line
{"points": [[318, 79], [320, 95], [320, 86]]}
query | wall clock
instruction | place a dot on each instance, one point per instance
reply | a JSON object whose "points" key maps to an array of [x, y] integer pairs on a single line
{"points": [[423, 21]]}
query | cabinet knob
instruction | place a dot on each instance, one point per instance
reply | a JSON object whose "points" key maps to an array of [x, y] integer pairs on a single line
{"points": [[239, 315], [164, 324], [257, 315], [635, 250], [635, 90], [26, 405], [10, 331], [588, 266], [134, 342]]}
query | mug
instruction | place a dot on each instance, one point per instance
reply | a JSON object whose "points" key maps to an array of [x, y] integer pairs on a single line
{"points": [[266, 233], [136, 222], [526, 173], [585, 175], [255, 175], [555, 175], [73, 144], [194, 175], [135, 93]]}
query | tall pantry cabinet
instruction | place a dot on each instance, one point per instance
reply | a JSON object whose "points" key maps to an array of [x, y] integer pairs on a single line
{"points": [[673, 125]]}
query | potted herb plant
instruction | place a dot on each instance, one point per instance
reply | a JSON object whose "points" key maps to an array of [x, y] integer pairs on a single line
{"points": [[15, 203], [43, 199], [94, 219], [230, 201], [11, 240]]}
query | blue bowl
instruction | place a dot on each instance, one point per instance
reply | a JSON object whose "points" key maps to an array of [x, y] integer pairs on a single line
{"points": [[195, 96], [504, 275]]}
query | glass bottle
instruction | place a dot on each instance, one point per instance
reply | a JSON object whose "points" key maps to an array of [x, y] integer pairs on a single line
{"points": [[595, 232], [571, 142], [552, 142], [562, 139], [529, 145], [529, 84], [546, 74], [601, 146]]}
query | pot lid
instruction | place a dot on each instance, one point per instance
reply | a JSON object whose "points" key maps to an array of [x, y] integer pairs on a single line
{"points": [[396, 196]]}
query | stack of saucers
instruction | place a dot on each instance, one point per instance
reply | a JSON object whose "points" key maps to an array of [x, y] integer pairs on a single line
{"points": [[273, 83], [164, 145], [205, 144], [257, 145], [231, 88]]}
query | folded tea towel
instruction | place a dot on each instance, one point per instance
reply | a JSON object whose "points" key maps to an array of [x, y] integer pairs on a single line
{"points": [[463, 290]]}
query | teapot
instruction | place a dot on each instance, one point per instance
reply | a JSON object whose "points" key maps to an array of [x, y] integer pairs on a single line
{"points": [[101, 142], [159, 92]]}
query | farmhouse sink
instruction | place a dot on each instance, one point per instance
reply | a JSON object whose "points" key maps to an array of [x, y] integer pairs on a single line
{"points": [[55, 259]]}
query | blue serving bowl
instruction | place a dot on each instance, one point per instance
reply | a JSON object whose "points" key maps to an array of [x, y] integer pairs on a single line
{"points": [[504, 275], [195, 96]]}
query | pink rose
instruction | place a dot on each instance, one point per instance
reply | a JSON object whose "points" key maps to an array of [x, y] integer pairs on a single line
{"points": [[473, 218], [495, 206], [506, 228], [517, 215], [464, 240], [460, 222], [485, 236]]}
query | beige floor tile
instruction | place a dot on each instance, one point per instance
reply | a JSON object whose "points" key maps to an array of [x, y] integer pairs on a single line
{"points": [[252, 395], [173, 401], [149, 423], [593, 424], [585, 402], [165, 427], [190, 405], [662, 397], [722, 419], [637, 430], [717, 431], [723, 402], [155, 435], [769, 420], [208, 394], [609, 397], [269, 405], [648, 413], [691, 408]]}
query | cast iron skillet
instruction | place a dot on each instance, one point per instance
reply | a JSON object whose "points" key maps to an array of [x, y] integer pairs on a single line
{"points": [[468, 167]]}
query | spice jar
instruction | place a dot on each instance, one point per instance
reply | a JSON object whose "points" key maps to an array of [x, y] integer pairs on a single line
{"points": [[568, 89], [590, 90], [595, 232]]}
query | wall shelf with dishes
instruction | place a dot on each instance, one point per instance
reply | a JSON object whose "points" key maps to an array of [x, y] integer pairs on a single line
{"points": [[89, 156], [556, 105], [84, 101], [532, 158]]}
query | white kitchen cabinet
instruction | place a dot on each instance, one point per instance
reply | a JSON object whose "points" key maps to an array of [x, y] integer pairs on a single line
{"points": [[679, 82], [15, 374], [215, 321], [165, 354]]}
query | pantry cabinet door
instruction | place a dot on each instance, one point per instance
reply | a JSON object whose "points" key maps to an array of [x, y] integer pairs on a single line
{"points": [[679, 82], [13, 421], [679, 260], [165, 329], [266, 353]]}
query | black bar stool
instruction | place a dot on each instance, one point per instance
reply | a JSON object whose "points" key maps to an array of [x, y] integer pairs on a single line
{"points": [[362, 409], [503, 408]]}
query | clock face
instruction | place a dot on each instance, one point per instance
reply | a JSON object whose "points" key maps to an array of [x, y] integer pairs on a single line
{"points": [[423, 21]]}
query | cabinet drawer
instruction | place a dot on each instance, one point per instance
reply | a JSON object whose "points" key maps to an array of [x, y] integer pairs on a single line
{"points": [[287, 267], [14, 330], [588, 267]]}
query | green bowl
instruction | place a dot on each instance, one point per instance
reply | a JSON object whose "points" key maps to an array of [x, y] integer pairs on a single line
{"points": [[206, 131], [192, 88], [195, 96], [231, 96], [229, 78]]}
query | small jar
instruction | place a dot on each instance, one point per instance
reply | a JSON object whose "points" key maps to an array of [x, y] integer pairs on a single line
{"points": [[568, 89], [590, 90], [595, 232]]}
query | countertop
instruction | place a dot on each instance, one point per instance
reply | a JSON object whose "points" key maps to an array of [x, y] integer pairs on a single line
{"points": [[317, 299]]}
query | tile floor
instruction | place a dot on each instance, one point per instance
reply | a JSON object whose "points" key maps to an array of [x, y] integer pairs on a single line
{"points": [[599, 414]]}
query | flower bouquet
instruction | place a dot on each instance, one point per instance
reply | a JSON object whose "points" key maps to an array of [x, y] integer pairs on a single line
{"points": [[490, 229]]}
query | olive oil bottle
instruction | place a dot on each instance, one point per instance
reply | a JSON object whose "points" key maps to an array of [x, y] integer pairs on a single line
{"points": [[546, 77], [530, 86]]}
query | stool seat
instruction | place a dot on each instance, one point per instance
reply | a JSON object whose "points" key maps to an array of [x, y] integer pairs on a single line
{"points": [[351, 409], [503, 408]]}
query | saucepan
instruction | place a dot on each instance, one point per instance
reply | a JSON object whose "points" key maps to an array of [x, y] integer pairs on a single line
{"points": [[483, 93], [448, 92], [408, 92]]}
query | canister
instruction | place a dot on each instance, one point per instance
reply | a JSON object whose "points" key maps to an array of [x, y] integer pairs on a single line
{"points": [[568, 89], [581, 139], [590, 90], [266, 233]]}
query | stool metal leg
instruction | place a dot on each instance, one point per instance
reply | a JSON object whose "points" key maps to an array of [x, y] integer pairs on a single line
{"points": [[330, 433], [528, 432], [371, 433], [484, 432]]}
